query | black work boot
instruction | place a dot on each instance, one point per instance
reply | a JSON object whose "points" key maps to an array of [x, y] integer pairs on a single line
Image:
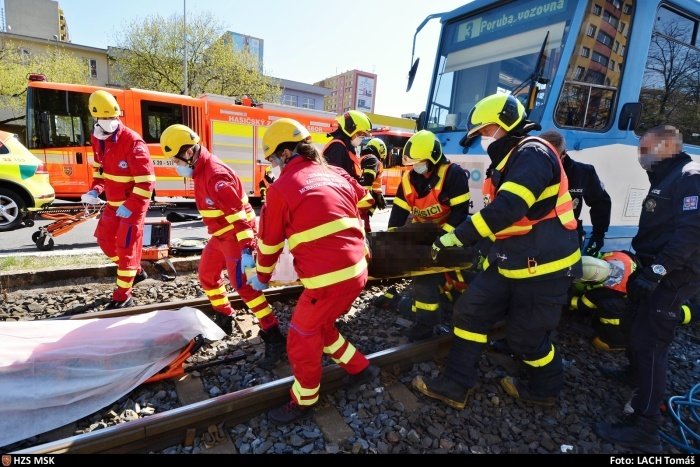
{"points": [[225, 322], [419, 332], [115, 305], [288, 413], [140, 276], [365, 376], [521, 390], [444, 389], [638, 433], [388, 300], [275, 346]]}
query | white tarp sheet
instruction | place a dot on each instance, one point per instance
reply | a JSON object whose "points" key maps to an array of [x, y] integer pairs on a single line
{"points": [[55, 372]]}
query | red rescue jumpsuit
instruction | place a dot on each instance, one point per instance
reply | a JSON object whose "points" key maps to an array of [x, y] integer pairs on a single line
{"points": [[314, 208], [230, 220], [123, 171]]}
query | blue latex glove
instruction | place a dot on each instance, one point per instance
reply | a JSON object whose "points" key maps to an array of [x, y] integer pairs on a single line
{"points": [[247, 260], [123, 211], [91, 197], [256, 284], [446, 241]]}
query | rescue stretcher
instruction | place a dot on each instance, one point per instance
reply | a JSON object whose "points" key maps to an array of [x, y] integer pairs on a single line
{"points": [[67, 216]]}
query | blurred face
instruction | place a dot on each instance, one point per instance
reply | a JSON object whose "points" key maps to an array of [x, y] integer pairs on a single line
{"points": [[654, 149]]}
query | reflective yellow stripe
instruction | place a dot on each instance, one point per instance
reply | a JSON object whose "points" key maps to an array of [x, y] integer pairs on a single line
{"points": [[262, 313], [118, 178], [370, 171], [470, 336], [427, 306], [236, 216], [366, 201], [219, 301], [247, 233], [573, 305], [441, 176], [223, 230], [481, 226], [265, 269], [144, 178], [459, 199], [126, 272], [513, 229], [551, 190], [140, 191], [124, 284], [541, 361], [347, 355], [520, 191], [686, 314], [588, 303], [256, 301], [402, 204], [220, 291], [269, 249], [459, 275], [485, 264], [447, 227], [566, 217], [115, 204], [211, 212], [251, 215], [324, 280], [114, 259], [305, 396], [333, 348], [542, 269], [323, 230], [389, 295], [614, 322]]}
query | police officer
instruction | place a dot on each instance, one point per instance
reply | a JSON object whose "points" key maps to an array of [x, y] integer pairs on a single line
{"points": [[529, 267], [372, 159], [667, 247], [434, 191], [584, 186]]}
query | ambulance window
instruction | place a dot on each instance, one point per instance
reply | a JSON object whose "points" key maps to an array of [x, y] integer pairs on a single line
{"points": [[156, 117]]}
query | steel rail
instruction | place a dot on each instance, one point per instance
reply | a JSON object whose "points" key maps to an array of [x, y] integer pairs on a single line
{"points": [[165, 429]]}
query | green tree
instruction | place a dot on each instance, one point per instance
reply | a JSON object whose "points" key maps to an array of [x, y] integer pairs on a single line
{"points": [[150, 54], [57, 63]]}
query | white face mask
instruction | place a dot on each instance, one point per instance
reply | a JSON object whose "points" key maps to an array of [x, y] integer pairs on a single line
{"points": [[486, 142], [277, 162], [108, 125], [184, 170], [420, 168], [276, 171], [356, 141]]}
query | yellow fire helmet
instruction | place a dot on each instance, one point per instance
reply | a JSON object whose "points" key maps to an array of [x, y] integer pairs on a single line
{"points": [[595, 270], [420, 147], [103, 105], [284, 130], [377, 147], [354, 121], [175, 137], [502, 109]]}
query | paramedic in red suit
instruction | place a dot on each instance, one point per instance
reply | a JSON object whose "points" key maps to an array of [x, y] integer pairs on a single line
{"points": [[124, 174], [230, 220], [314, 207]]}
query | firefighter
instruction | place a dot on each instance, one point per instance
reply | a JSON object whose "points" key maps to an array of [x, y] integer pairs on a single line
{"points": [[268, 178], [667, 248], [372, 159], [584, 186], [433, 191], [123, 172], [225, 210], [605, 298], [313, 206], [340, 151], [529, 267]]}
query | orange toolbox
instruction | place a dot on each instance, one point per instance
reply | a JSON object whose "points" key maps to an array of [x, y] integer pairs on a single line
{"points": [[156, 239]]}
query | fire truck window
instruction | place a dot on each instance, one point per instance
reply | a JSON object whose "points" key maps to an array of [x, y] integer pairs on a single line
{"points": [[157, 116], [57, 118]]}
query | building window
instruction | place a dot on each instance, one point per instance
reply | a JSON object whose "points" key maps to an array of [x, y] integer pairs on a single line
{"points": [[627, 9], [308, 102], [616, 47], [622, 29], [585, 52], [608, 17], [289, 100], [578, 74], [605, 39], [597, 9], [92, 67], [590, 32], [611, 65], [599, 58]]}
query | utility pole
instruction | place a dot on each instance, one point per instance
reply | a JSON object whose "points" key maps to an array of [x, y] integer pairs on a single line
{"points": [[184, 39]]}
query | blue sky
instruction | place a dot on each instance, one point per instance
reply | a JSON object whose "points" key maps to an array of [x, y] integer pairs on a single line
{"points": [[305, 40]]}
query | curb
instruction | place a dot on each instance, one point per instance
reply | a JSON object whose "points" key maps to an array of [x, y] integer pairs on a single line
{"points": [[14, 282]]}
